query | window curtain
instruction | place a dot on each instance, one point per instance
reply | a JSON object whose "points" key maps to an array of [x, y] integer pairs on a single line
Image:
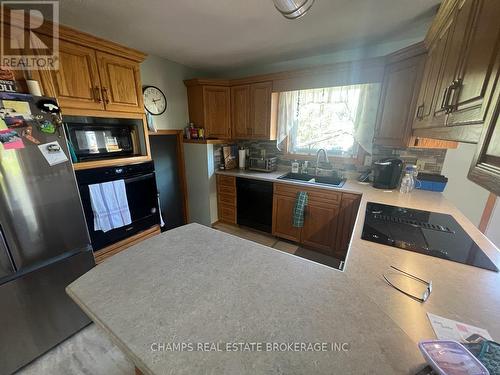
{"points": [[288, 109], [363, 103], [366, 115]]}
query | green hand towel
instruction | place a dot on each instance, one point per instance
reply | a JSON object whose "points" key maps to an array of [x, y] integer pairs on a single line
{"points": [[298, 210]]}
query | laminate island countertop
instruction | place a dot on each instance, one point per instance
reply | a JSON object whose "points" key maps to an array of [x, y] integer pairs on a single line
{"points": [[203, 288]]}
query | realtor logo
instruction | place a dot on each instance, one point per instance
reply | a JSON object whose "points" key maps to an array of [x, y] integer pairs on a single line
{"points": [[30, 35]]}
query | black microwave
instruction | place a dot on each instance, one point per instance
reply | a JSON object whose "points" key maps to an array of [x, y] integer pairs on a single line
{"points": [[95, 138]]}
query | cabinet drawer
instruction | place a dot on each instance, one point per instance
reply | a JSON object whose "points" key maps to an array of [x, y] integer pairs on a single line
{"points": [[223, 189], [227, 213], [318, 195], [226, 199], [226, 181]]}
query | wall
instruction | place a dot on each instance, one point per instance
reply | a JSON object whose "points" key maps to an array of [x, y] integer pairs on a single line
{"points": [[463, 193], [168, 76], [493, 230]]}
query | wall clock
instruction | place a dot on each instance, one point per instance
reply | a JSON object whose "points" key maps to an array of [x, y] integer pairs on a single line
{"points": [[155, 101]]}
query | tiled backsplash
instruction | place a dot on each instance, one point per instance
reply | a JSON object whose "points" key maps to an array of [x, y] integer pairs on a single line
{"points": [[433, 159]]}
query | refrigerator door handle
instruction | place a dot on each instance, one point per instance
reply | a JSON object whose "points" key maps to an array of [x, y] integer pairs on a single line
{"points": [[5, 247]]}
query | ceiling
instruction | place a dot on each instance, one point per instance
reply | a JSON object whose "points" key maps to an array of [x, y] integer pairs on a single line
{"points": [[214, 35]]}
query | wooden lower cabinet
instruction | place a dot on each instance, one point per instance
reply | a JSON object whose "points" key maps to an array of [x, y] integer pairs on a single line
{"points": [[226, 199], [320, 227], [347, 218], [328, 219], [282, 218]]}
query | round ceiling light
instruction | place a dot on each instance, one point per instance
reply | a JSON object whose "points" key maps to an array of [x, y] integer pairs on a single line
{"points": [[293, 9]]}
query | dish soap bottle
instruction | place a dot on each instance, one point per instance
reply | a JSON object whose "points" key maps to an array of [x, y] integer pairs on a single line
{"points": [[295, 166]]}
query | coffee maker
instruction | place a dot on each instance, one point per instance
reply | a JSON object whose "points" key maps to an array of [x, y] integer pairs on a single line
{"points": [[386, 173]]}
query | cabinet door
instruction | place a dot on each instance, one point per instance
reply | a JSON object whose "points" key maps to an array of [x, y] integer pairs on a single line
{"points": [[260, 110], [320, 227], [485, 169], [282, 218], [478, 68], [347, 218], [120, 83], [216, 107], [240, 112], [429, 96], [76, 84], [397, 102]]}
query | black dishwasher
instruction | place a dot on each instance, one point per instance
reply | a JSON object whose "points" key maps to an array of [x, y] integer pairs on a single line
{"points": [[255, 203]]}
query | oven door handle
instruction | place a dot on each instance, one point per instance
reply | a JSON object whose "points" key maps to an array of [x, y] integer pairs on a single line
{"points": [[139, 178]]}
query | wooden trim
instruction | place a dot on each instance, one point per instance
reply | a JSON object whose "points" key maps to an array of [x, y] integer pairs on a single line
{"points": [[445, 11], [417, 142], [110, 162], [98, 113], [206, 141], [208, 82], [182, 174], [406, 53], [165, 132], [85, 39], [465, 133], [119, 246], [487, 212]]}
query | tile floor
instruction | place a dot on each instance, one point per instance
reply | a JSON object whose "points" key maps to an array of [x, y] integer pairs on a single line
{"points": [[278, 244], [90, 352]]}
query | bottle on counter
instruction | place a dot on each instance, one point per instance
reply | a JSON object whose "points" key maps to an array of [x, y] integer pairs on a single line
{"points": [[295, 166], [408, 180], [193, 131]]}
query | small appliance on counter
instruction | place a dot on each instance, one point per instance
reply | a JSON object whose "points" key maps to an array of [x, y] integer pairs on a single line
{"points": [[432, 182], [263, 164], [386, 173]]}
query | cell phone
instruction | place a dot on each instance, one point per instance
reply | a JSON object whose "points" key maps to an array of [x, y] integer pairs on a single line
{"points": [[449, 357]]}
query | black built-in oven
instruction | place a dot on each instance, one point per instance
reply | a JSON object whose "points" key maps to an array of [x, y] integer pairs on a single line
{"points": [[142, 197]]}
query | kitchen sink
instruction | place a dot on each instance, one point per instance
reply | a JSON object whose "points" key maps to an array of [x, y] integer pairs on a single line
{"points": [[313, 179]]}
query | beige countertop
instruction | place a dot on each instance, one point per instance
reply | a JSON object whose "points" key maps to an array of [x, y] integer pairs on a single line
{"points": [[460, 292], [194, 284]]}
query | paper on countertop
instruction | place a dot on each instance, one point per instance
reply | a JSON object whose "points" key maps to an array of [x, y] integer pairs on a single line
{"points": [[447, 329], [53, 157]]}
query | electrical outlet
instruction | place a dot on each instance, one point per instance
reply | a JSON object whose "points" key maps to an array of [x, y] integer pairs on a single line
{"points": [[420, 165]]}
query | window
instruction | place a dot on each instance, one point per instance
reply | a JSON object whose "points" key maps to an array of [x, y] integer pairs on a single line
{"points": [[328, 118]]}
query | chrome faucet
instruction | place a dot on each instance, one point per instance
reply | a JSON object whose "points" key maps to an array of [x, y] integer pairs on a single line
{"points": [[325, 159]]}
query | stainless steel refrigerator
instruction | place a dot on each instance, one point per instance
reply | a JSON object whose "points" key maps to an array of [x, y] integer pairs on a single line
{"points": [[44, 243]]}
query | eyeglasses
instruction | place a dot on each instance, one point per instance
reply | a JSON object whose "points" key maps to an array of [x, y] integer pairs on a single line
{"points": [[426, 293]]}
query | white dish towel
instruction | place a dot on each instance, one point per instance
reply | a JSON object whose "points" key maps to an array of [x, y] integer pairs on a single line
{"points": [[109, 205]]}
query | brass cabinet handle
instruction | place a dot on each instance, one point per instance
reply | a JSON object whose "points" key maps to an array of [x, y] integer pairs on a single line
{"points": [[420, 109], [454, 89], [105, 95], [97, 94], [446, 98]]}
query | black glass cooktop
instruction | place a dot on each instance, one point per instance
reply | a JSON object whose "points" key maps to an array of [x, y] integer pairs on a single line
{"points": [[424, 232]]}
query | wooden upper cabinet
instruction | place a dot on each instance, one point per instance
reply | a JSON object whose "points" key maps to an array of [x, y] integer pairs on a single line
{"points": [[260, 111], [461, 71], [240, 112], [216, 110], [477, 70], [398, 101], [485, 168], [320, 227], [120, 83], [429, 95], [76, 84]]}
